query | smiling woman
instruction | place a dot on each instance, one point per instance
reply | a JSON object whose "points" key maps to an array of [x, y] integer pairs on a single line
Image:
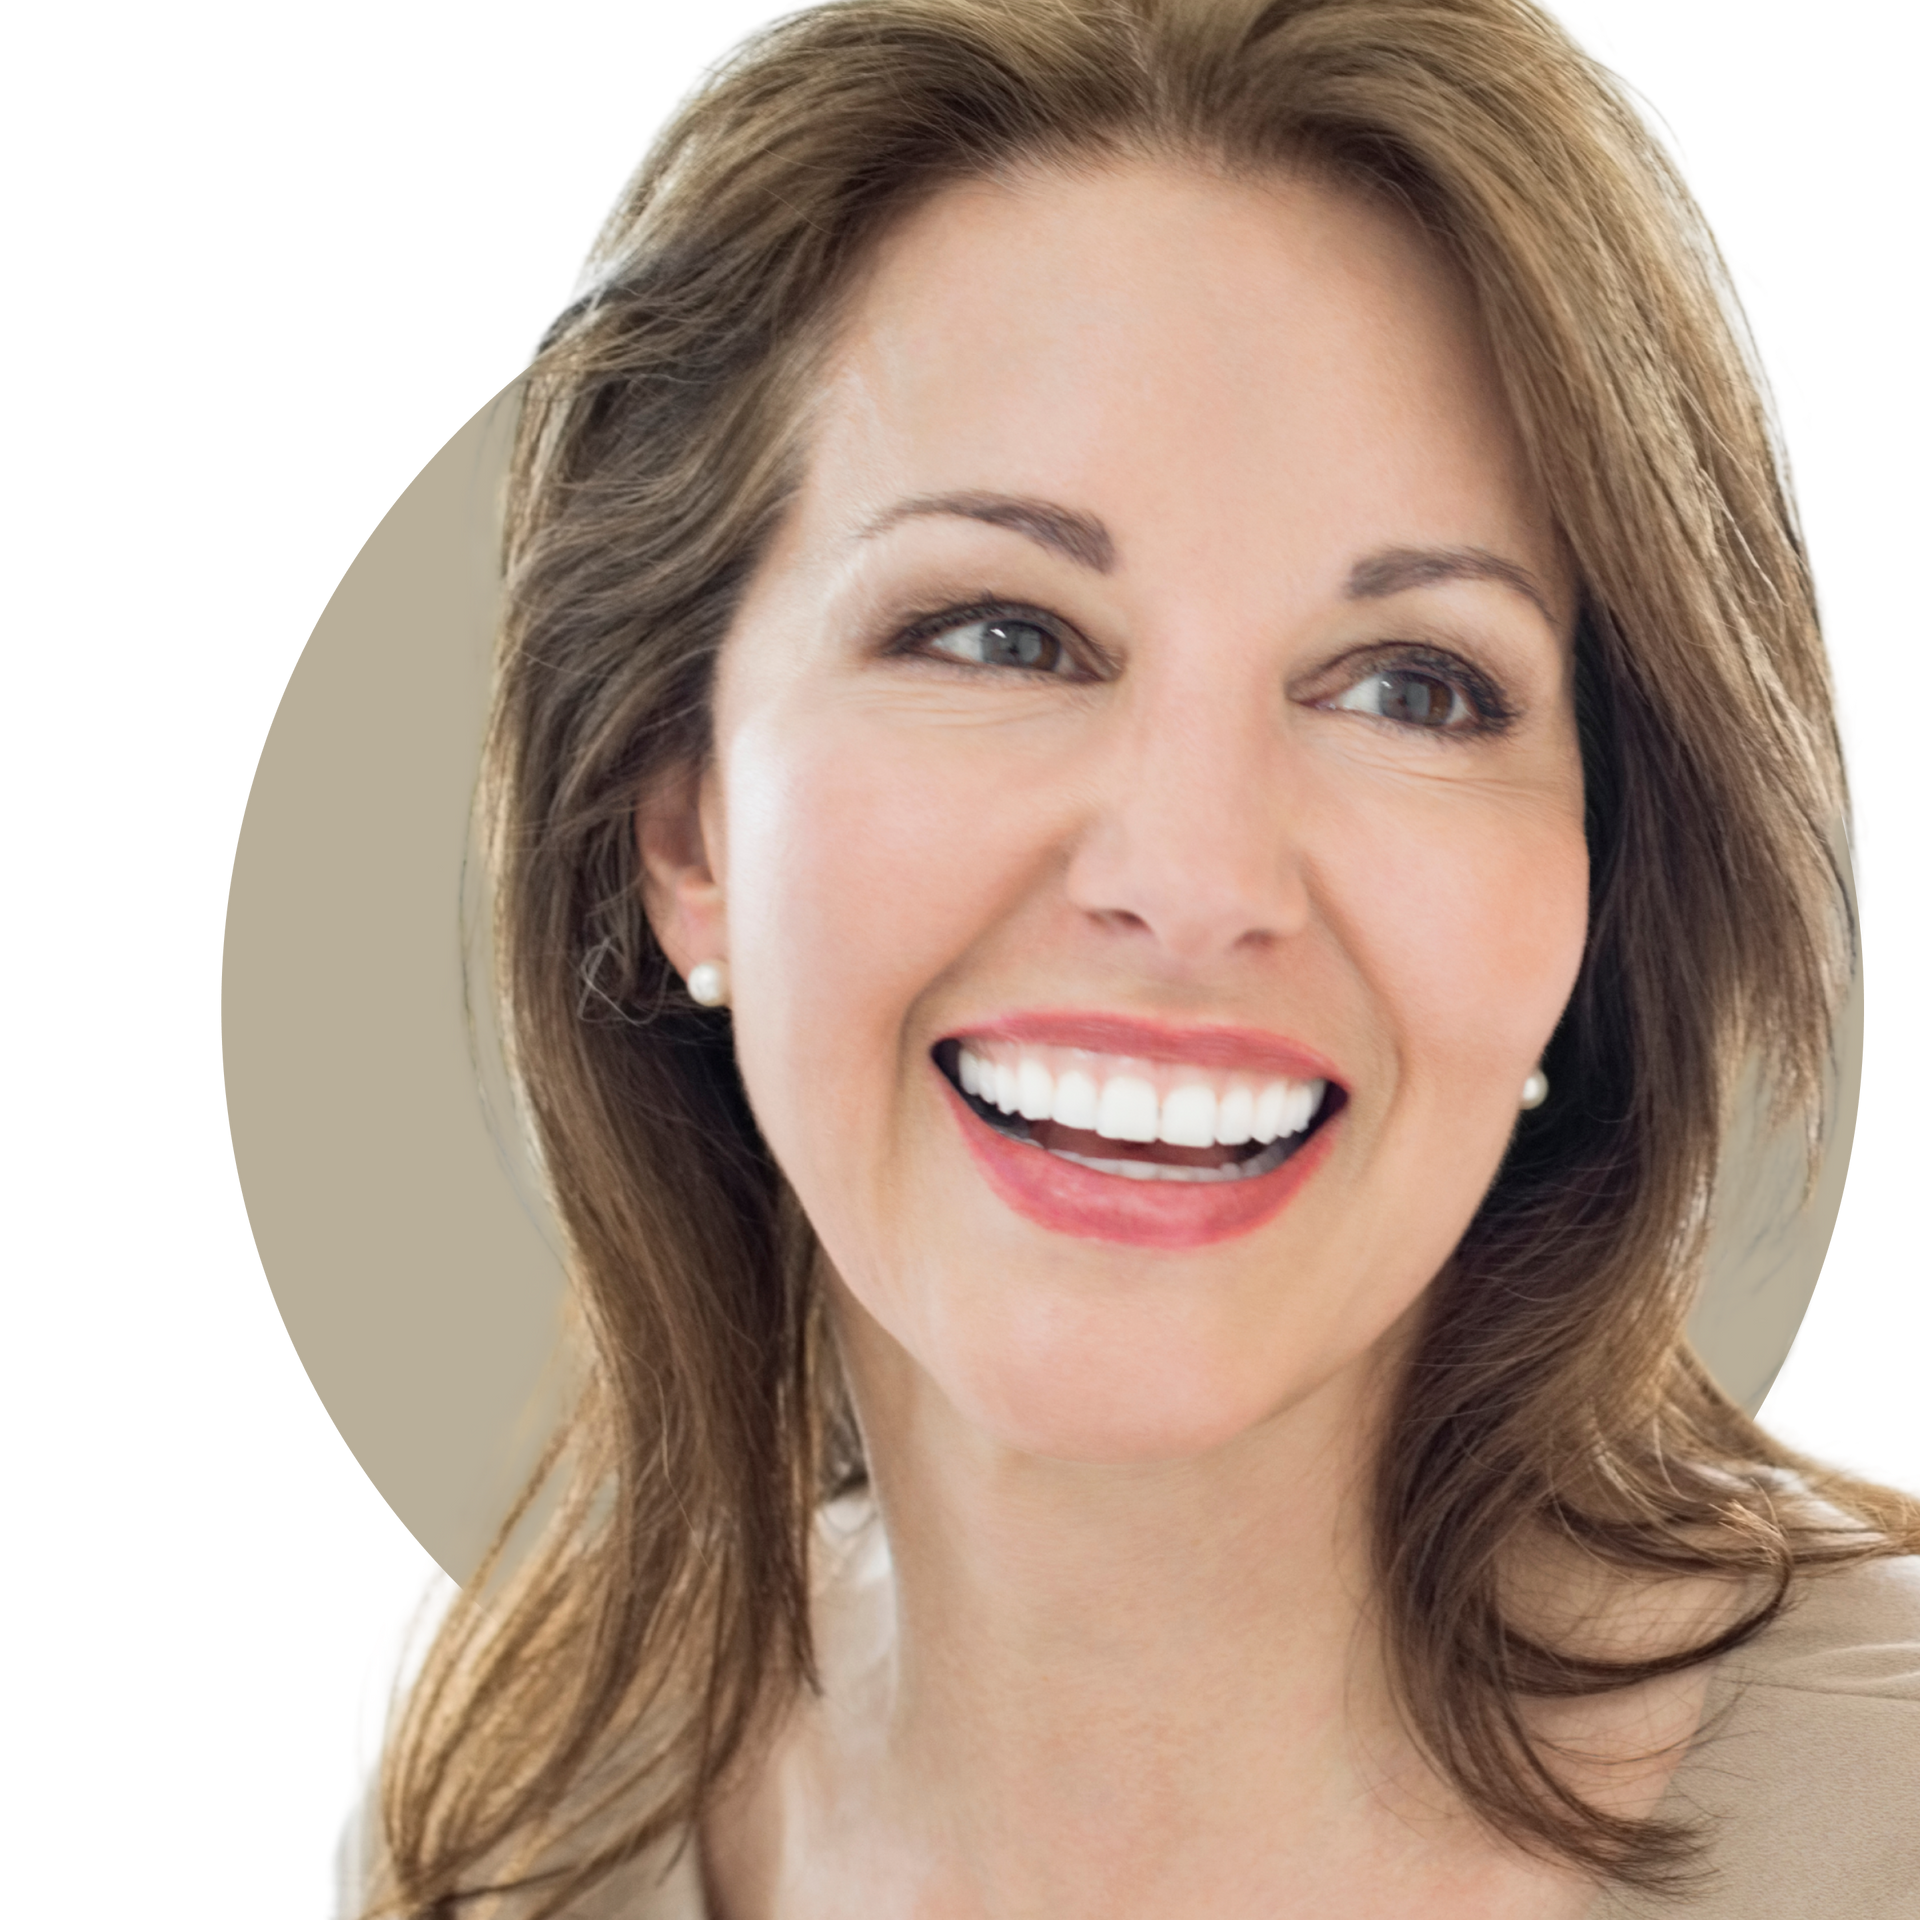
{"points": [[1178, 617], [1280, 737]]}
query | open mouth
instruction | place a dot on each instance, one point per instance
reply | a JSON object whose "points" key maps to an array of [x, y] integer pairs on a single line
{"points": [[1143, 1160]]}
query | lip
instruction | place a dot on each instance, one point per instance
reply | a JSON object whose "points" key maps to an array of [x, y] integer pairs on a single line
{"points": [[1056, 1194], [1251, 1049]]}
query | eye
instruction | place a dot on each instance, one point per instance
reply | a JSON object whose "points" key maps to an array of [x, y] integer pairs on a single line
{"points": [[1421, 689], [1411, 695], [995, 637]]}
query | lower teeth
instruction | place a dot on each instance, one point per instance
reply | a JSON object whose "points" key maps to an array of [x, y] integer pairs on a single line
{"points": [[1262, 1162]]}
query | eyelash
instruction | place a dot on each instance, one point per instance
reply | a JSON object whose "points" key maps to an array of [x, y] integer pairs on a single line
{"points": [[1490, 711], [931, 626]]}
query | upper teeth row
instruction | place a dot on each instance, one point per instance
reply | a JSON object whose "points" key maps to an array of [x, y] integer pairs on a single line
{"points": [[1123, 1099]]}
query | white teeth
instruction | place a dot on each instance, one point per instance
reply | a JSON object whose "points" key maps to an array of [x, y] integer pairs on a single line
{"points": [[1233, 1127], [1187, 1117], [1285, 1107], [1263, 1162], [1036, 1089], [1076, 1100], [1270, 1111], [1135, 1100], [1006, 1088], [1129, 1110]]}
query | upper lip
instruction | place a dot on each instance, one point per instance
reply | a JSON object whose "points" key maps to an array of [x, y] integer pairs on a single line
{"points": [[1197, 1044]]}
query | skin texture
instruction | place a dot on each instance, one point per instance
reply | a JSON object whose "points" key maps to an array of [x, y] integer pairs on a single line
{"points": [[1126, 1665]]}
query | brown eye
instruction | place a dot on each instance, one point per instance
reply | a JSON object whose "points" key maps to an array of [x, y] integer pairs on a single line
{"points": [[1409, 696]]}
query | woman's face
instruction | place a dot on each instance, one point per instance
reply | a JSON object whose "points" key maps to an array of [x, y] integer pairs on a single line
{"points": [[1159, 694]]}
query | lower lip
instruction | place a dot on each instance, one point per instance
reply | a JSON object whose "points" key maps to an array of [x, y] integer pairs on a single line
{"points": [[1065, 1198]]}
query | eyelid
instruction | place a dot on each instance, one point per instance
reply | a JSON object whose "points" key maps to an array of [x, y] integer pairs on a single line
{"points": [[1494, 710], [1091, 663]]}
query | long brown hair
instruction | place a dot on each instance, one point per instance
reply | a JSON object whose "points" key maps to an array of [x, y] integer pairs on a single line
{"points": [[582, 1706]]}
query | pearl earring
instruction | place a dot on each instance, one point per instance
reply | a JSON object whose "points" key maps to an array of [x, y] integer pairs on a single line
{"points": [[1533, 1090], [707, 983]]}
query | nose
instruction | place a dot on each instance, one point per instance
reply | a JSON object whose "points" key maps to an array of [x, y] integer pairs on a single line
{"points": [[1192, 846]]}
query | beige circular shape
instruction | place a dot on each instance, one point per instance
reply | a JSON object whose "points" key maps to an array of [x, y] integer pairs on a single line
{"points": [[391, 1193], [392, 1202]]}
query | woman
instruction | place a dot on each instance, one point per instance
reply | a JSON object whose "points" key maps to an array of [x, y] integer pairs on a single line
{"points": [[1161, 746]]}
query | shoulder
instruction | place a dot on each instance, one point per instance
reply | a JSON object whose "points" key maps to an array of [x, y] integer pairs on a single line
{"points": [[1850, 1635], [1807, 1765]]}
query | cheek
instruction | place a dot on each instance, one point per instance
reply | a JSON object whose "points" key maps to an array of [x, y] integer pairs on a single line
{"points": [[861, 869], [1468, 916]]}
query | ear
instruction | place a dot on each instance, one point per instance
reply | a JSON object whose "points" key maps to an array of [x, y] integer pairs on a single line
{"points": [[675, 827]]}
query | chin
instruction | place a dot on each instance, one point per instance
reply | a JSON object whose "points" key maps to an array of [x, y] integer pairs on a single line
{"points": [[1065, 1367], [1128, 1416]]}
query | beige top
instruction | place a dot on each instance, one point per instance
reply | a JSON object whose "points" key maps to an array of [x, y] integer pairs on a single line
{"points": [[1807, 1767]]}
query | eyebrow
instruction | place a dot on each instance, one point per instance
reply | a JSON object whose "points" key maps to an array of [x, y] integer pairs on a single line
{"points": [[1080, 537], [1083, 538], [1401, 568]]}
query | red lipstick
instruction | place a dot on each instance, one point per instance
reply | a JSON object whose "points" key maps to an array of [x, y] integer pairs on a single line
{"points": [[1065, 1197]]}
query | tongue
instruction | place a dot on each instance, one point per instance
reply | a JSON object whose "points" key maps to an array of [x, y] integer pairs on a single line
{"points": [[1096, 1146]]}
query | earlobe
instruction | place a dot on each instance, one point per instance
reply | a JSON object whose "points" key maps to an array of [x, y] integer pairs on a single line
{"points": [[679, 885]]}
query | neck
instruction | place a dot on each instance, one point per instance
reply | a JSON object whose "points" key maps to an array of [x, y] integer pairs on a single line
{"points": [[1085, 1681]]}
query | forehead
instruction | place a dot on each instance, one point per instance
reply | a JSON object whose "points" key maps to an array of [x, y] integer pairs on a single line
{"points": [[1192, 357]]}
